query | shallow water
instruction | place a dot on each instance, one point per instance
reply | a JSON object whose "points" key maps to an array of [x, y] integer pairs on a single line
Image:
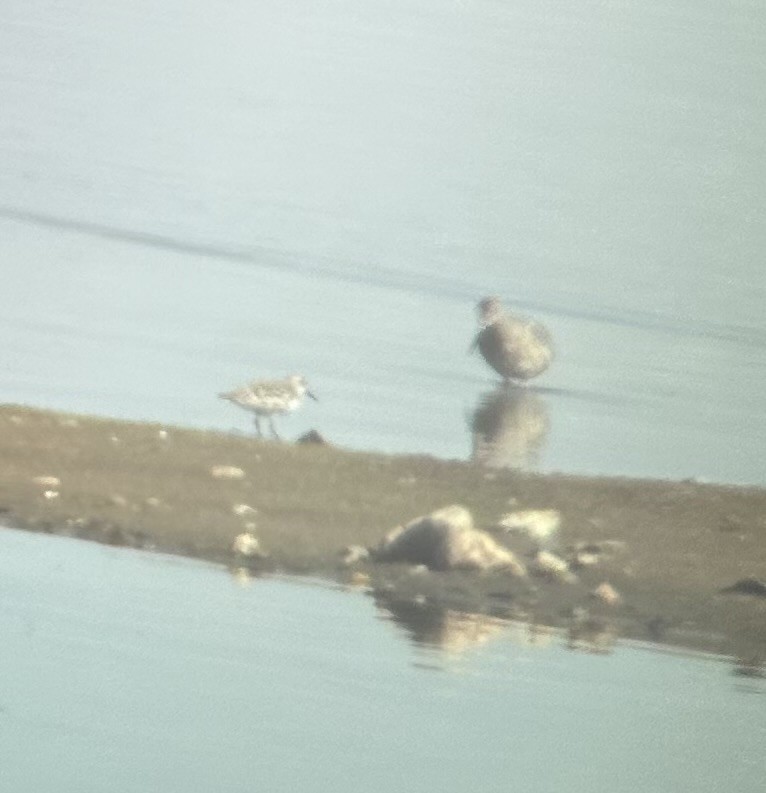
{"points": [[129, 671], [328, 188]]}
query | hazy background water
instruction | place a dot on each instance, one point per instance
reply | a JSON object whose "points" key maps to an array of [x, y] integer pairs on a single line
{"points": [[127, 671], [195, 194]]}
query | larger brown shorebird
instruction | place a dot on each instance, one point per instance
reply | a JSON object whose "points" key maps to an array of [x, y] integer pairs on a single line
{"points": [[515, 347], [268, 397]]}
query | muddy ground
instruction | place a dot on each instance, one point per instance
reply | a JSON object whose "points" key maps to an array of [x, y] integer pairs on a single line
{"points": [[150, 486]]}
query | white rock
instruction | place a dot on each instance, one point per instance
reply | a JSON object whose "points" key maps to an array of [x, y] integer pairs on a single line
{"points": [[446, 540], [243, 509], [353, 554], [226, 472], [606, 593], [246, 544], [549, 564], [47, 481], [539, 525]]}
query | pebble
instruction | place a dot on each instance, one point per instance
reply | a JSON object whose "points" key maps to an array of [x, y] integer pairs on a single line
{"points": [[47, 481], [353, 554], [549, 564], [537, 524], [243, 509], [226, 472], [585, 559], [606, 593], [748, 586], [50, 494], [246, 544]]}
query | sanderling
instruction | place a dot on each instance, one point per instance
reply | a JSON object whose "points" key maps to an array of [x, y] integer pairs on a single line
{"points": [[515, 347], [268, 397]]}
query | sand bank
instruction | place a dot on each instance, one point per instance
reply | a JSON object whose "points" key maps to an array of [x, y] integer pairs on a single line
{"points": [[681, 544]]}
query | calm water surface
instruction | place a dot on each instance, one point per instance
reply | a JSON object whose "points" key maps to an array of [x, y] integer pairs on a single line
{"points": [[327, 188], [126, 671]]}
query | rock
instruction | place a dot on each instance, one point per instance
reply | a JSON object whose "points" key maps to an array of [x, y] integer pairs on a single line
{"points": [[747, 586], [352, 554], [540, 525], [226, 472], [313, 436], [243, 509], [548, 564], [246, 544], [446, 540], [47, 481], [50, 494], [606, 593], [585, 559]]}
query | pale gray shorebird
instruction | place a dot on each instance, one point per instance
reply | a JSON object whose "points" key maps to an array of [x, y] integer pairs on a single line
{"points": [[269, 397], [515, 347]]}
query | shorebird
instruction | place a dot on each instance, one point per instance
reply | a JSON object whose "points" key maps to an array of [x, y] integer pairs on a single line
{"points": [[515, 347], [268, 397]]}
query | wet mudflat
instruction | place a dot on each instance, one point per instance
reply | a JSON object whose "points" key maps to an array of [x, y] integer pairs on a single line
{"points": [[151, 486]]}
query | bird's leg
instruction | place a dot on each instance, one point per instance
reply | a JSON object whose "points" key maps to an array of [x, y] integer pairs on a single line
{"points": [[258, 426], [273, 428]]}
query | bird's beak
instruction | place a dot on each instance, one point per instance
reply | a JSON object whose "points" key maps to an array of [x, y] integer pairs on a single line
{"points": [[473, 344], [309, 394]]}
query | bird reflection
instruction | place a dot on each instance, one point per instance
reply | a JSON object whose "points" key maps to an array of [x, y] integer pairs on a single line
{"points": [[509, 427]]}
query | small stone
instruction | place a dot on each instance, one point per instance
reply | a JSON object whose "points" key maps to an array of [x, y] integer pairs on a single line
{"points": [[606, 593], [47, 481], [246, 544], [549, 564], [243, 509], [226, 472], [585, 559], [118, 500], [153, 501], [353, 554], [69, 423], [16, 420], [162, 435], [537, 524], [312, 436], [748, 586], [51, 494]]}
